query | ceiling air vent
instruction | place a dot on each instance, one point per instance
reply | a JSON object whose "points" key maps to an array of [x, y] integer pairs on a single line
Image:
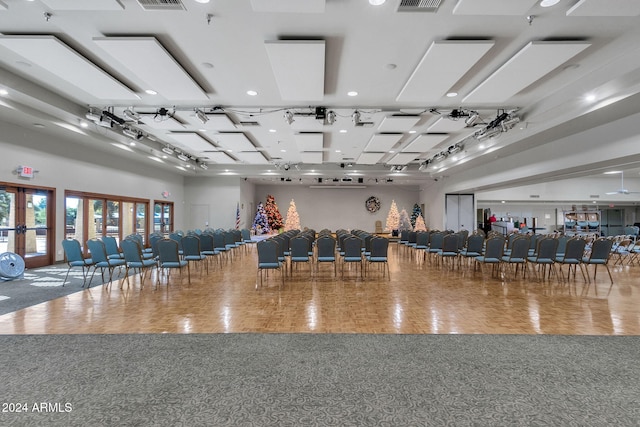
{"points": [[419, 5], [594, 196], [161, 4], [534, 196], [249, 124]]}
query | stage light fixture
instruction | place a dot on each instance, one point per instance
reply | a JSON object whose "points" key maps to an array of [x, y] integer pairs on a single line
{"points": [[203, 166], [167, 149], [472, 119], [183, 157], [131, 115], [200, 115], [331, 117], [355, 117], [288, 117]]}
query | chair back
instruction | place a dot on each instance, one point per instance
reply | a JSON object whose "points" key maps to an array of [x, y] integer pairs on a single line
{"points": [[352, 247], [168, 251], [547, 248], [450, 243], [574, 249], [326, 247], [422, 239], [177, 237], [191, 245], [436, 241], [494, 248], [267, 252], [72, 250], [229, 240], [379, 247], [132, 250], [299, 248], [404, 236], [562, 244], [218, 241], [412, 237], [246, 235], [519, 249], [601, 250], [475, 243], [206, 242], [98, 250], [111, 245]]}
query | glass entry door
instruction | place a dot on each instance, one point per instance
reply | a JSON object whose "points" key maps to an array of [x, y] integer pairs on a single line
{"points": [[26, 216]]}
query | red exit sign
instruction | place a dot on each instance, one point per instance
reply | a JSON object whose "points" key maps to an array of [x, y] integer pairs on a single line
{"points": [[26, 172]]}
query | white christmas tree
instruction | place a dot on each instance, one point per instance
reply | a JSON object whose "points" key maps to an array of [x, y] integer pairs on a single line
{"points": [[393, 219], [420, 225], [293, 219], [405, 221]]}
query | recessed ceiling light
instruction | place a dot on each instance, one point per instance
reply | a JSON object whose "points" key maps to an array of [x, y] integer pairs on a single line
{"points": [[150, 92], [391, 66], [84, 124], [376, 2], [352, 93], [503, 201], [4, 92], [202, 1], [452, 94], [207, 65], [272, 130], [412, 131], [338, 151], [612, 172], [343, 131], [590, 98], [549, 3], [283, 151], [252, 93]]}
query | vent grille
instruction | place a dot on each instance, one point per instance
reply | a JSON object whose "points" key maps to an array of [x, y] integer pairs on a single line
{"points": [[534, 196], [249, 124], [161, 4], [419, 5], [594, 196]]}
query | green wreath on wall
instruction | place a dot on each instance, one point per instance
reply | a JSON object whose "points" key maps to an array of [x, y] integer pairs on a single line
{"points": [[372, 204]]}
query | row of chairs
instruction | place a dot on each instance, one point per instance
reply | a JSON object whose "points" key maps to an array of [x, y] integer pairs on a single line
{"points": [[517, 250], [284, 251]]}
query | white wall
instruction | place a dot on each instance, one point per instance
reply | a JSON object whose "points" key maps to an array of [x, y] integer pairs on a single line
{"points": [[81, 169], [216, 198], [335, 208]]}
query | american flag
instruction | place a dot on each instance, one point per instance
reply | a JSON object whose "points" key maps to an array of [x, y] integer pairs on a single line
{"points": [[238, 216]]}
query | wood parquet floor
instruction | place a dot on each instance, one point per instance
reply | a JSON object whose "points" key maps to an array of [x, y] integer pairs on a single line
{"points": [[419, 298]]}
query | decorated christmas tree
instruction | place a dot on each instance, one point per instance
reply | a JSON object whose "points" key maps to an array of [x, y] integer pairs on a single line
{"points": [[260, 223], [293, 220], [417, 211], [273, 214], [420, 225], [405, 222], [393, 219]]}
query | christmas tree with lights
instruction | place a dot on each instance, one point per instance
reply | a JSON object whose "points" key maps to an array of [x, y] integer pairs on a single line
{"points": [[273, 214], [393, 219], [420, 225], [417, 211], [260, 223], [293, 219], [405, 222]]}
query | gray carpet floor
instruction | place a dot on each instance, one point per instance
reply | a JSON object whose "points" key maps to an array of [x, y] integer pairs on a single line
{"points": [[319, 380], [44, 284]]}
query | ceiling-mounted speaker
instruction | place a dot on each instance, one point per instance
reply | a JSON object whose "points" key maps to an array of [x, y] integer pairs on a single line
{"points": [[320, 180], [360, 180], [321, 113]]}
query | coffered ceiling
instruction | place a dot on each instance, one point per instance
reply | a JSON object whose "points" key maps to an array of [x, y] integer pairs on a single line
{"points": [[308, 89]]}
